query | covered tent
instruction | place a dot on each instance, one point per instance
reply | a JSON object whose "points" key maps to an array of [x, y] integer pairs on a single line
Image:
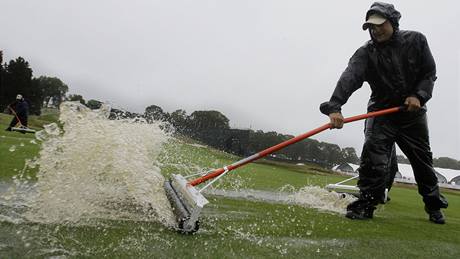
{"points": [[346, 168], [450, 174], [444, 175], [455, 180]]}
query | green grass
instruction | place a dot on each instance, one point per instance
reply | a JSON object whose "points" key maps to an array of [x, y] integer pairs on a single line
{"points": [[239, 228], [400, 229], [16, 147]]}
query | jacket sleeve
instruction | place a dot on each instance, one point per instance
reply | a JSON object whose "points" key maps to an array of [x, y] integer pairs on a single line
{"points": [[350, 80], [12, 106], [424, 88]]}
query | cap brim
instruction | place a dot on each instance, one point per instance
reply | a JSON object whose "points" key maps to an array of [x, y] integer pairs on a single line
{"points": [[373, 21]]}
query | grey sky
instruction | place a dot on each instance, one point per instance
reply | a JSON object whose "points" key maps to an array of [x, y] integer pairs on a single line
{"points": [[265, 64]]}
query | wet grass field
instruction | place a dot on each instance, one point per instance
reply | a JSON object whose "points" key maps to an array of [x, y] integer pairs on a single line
{"points": [[244, 227], [16, 147]]}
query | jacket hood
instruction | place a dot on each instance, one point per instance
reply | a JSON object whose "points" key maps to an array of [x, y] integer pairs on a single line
{"points": [[386, 10]]}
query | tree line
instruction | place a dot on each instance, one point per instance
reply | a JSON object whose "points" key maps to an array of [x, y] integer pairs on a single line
{"points": [[212, 124], [16, 77], [210, 127]]}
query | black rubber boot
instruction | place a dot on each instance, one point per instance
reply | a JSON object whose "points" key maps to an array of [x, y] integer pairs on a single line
{"points": [[436, 216], [360, 209]]}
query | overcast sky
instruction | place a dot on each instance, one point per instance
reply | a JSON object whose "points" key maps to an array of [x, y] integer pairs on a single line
{"points": [[265, 64]]}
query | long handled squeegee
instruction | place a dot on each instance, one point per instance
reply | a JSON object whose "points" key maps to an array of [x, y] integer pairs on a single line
{"points": [[187, 201], [21, 128]]}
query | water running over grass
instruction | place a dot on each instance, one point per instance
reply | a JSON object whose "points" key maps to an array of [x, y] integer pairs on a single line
{"points": [[308, 196]]}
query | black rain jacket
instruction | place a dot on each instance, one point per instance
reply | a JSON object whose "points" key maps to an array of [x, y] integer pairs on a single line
{"points": [[20, 107], [400, 67]]}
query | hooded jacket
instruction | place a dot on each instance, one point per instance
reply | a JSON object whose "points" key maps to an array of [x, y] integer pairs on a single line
{"points": [[386, 10], [396, 69]]}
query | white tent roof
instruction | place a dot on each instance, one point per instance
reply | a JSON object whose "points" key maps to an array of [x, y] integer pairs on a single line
{"points": [[449, 174], [406, 171], [355, 167]]}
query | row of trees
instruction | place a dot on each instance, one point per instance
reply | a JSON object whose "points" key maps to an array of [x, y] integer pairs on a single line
{"points": [[16, 77], [211, 125], [446, 162], [308, 150], [214, 123], [183, 123]]}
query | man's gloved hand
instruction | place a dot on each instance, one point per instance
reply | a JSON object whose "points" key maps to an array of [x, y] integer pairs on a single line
{"points": [[412, 103], [336, 120]]}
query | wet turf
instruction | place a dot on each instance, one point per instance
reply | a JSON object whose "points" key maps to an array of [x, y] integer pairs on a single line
{"points": [[238, 228]]}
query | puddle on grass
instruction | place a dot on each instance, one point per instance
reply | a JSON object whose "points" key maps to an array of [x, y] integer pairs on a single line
{"points": [[232, 233], [308, 196]]}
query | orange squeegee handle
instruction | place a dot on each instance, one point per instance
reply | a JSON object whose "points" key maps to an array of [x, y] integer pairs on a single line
{"points": [[291, 141], [15, 114]]}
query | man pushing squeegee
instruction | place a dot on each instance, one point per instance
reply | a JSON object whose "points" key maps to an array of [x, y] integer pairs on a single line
{"points": [[400, 69], [20, 110], [187, 200]]}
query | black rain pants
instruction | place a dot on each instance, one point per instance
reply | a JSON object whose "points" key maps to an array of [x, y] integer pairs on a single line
{"points": [[22, 118], [410, 131]]}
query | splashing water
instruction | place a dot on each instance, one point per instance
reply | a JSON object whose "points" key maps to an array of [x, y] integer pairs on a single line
{"points": [[99, 168], [308, 196], [322, 199]]}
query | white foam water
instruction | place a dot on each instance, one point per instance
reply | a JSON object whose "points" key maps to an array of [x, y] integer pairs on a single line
{"points": [[308, 196], [322, 199], [99, 168]]}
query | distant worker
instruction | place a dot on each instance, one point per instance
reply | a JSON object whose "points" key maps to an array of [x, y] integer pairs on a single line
{"points": [[400, 69], [20, 110]]}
